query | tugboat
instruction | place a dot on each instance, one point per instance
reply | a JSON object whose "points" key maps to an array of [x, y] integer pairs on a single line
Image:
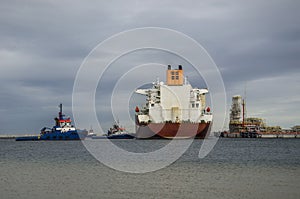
{"points": [[63, 130], [115, 132]]}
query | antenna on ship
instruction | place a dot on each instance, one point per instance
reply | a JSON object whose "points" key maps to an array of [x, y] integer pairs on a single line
{"points": [[60, 111]]}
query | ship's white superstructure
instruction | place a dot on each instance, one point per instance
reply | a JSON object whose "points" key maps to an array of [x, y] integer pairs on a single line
{"points": [[174, 104]]}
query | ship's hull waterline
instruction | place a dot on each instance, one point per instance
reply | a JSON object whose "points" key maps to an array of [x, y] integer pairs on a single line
{"points": [[173, 130]]}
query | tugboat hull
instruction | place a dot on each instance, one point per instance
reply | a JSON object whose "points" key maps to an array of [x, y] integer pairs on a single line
{"points": [[52, 136], [122, 136], [28, 138]]}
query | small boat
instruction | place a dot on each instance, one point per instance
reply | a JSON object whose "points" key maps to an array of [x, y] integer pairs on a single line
{"points": [[91, 133], [63, 130], [115, 132]]}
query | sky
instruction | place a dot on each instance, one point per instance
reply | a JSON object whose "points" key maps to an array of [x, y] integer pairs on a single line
{"points": [[255, 44]]}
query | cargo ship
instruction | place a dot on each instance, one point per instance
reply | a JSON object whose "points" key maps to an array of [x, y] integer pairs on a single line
{"points": [[173, 109], [63, 130]]}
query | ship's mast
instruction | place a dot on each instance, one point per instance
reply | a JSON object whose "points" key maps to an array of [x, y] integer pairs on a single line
{"points": [[60, 111]]}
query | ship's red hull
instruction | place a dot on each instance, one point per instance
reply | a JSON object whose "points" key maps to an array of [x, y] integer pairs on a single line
{"points": [[172, 130]]}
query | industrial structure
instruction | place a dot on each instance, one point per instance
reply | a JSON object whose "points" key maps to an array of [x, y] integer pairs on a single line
{"points": [[242, 126], [238, 120]]}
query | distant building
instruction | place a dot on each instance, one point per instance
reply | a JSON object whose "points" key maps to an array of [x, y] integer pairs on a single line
{"points": [[296, 128], [273, 129]]}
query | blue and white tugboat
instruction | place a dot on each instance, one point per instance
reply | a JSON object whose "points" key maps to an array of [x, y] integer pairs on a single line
{"points": [[63, 130]]}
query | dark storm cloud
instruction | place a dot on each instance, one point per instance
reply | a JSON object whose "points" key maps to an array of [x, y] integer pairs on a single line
{"points": [[43, 43], [257, 38]]}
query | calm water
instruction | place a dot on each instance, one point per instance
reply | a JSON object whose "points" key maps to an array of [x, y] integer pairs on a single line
{"points": [[236, 168]]}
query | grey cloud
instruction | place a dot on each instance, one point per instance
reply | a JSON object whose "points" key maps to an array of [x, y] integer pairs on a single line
{"points": [[43, 44]]}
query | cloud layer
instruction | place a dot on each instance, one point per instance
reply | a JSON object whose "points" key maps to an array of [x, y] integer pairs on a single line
{"points": [[43, 43]]}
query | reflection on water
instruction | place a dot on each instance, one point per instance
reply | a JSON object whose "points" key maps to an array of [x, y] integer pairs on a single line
{"points": [[236, 168]]}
